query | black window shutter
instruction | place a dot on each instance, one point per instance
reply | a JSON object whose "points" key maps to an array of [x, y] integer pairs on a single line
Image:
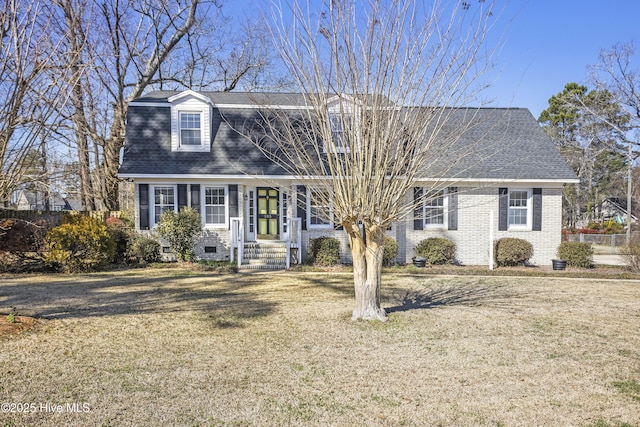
{"points": [[182, 196], [537, 209], [418, 220], [453, 208], [302, 205], [233, 200], [503, 209], [143, 202], [195, 197]]}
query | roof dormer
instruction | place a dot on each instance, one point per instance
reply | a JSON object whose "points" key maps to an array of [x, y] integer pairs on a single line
{"points": [[190, 121]]}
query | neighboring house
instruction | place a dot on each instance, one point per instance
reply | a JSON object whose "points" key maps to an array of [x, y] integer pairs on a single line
{"points": [[181, 150], [27, 200], [615, 209]]}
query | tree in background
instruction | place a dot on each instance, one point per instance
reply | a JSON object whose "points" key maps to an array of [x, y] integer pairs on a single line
{"points": [[29, 95], [588, 127], [69, 68], [614, 72], [372, 73]]}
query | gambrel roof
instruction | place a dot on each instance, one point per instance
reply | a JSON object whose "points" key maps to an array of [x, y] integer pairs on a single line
{"points": [[499, 144]]}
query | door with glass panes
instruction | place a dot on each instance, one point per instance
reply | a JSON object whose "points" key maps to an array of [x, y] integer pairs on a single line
{"points": [[268, 219]]}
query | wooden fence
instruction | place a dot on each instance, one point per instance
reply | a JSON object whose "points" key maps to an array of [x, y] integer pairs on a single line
{"points": [[54, 217]]}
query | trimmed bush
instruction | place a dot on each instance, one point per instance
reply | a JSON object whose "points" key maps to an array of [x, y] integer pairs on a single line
{"points": [[180, 230], [144, 249], [510, 251], [577, 254], [324, 251], [82, 243], [437, 250], [390, 251]]}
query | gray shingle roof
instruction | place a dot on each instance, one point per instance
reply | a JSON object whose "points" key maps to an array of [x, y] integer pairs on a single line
{"points": [[499, 143]]}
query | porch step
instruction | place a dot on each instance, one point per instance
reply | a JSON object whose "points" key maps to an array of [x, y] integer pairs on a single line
{"points": [[265, 256]]}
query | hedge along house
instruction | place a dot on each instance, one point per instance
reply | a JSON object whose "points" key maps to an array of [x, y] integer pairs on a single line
{"points": [[184, 149]]}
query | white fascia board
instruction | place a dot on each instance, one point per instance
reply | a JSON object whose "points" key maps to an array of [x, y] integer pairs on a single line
{"points": [[309, 178], [206, 176], [149, 104], [192, 93], [266, 107], [229, 106], [549, 181]]}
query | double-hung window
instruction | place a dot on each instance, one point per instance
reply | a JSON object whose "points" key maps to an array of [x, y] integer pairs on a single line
{"points": [[341, 125], [320, 214], [190, 129], [215, 206], [163, 200], [435, 209], [519, 209]]}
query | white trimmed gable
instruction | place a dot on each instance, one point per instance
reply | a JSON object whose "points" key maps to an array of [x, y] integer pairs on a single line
{"points": [[190, 122], [341, 110]]}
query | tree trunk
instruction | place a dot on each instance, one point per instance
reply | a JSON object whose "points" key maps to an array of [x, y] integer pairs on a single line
{"points": [[76, 41], [367, 269], [111, 181]]}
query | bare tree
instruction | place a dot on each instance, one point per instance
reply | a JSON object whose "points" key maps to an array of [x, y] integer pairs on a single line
{"points": [[28, 94], [115, 50], [615, 73], [119, 49], [381, 80], [588, 127]]}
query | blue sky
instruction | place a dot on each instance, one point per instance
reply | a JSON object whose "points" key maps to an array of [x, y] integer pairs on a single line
{"points": [[549, 43]]}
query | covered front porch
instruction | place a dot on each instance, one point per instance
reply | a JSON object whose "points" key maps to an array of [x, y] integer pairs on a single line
{"points": [[268, 234]]}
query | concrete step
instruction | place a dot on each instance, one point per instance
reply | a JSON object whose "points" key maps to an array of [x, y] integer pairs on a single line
{"points": [[265, 256]]}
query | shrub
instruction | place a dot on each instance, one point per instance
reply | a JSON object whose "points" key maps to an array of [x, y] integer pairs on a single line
{"points": [[21, 236], [631, 254], [390, 251], [324, 251], [437, 250], [144, 249], [22, 245], [510, 251], [180, 230], [121, 234], [81, 243], [577, 254]]}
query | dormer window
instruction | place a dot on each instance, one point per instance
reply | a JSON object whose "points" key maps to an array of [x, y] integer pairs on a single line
{"points": [[190, 121], [341, 125], [190, 129]]}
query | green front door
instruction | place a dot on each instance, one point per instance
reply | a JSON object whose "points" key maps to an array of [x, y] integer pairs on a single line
{"points": [[268, 218]]}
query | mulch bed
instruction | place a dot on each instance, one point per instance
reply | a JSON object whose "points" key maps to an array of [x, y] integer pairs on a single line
{"points": [[20, 325]]}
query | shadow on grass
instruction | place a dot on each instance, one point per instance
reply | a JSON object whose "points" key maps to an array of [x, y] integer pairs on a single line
{"points": [[470, 293], [105, 294]]}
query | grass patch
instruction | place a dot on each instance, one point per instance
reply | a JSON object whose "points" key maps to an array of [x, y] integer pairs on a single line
{"points": [[182, 346], [630, 387]]}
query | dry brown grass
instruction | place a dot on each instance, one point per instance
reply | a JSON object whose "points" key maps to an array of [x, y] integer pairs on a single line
{"points": [[173, 347]]}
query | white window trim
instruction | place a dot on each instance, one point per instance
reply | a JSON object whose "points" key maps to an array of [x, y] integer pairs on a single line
{"points": [[188, 102], [152, 202], [190, 147], [329, 225], [445, 209], [333, 148], [203, 207], [529, 225]]}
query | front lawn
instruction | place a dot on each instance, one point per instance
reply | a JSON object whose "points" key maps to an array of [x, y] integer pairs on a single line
{"points": [[152, 347]]}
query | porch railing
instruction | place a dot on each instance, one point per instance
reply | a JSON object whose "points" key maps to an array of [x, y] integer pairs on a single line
{"points": [[294, 227], [293, 241], [237, 240]]}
